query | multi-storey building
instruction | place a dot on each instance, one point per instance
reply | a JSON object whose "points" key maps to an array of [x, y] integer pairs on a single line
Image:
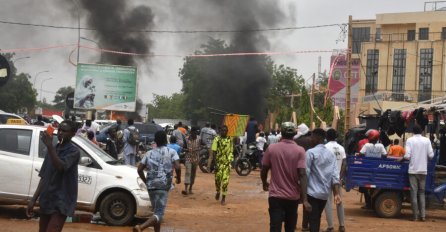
{"points": [[402, 58]]}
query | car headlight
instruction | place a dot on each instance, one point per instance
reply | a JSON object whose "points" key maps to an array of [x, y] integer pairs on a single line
{"points": [[141, 184]]}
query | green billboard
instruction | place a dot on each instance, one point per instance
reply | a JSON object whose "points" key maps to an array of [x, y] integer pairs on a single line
{"points": [[105, 87]]}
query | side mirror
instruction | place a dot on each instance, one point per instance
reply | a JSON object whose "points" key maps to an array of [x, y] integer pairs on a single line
{"points": [[85, 161]]}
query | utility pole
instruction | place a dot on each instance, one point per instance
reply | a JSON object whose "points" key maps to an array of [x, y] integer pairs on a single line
{"points": [[349, 76], [312, 102]]}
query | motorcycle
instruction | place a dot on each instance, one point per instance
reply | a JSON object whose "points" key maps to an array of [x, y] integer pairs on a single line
{"points": [[247, 161], [203, 162]]}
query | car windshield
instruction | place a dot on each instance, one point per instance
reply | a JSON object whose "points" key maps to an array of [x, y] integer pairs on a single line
{"points": [[146, 128], [98, 151]]}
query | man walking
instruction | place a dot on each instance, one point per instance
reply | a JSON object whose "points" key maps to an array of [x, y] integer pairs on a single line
{"points": [[159, 162], [418, 151], [223, 149], [57, 189], [288, 179], [339, 153], [192, 158], [207, 136], [323, 176], [129, 146]]}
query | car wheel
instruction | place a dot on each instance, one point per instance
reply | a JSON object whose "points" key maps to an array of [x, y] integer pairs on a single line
{"points": [[388, 205], [117, 209]]}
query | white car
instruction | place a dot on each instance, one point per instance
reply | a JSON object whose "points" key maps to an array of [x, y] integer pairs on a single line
{"points": [[113, 189]]}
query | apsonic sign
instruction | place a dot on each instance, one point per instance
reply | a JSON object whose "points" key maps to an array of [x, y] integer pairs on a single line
{"points": [[105, 87]]}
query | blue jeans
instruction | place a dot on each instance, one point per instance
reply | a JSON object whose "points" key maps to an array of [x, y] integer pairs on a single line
{"points": [[158, 198], [282, 211]]}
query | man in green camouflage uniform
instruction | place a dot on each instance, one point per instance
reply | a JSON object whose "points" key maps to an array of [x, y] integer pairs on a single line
{"points": [[223, 149]]}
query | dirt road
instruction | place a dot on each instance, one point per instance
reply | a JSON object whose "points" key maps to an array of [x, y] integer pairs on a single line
{"points": [[246, 210]]}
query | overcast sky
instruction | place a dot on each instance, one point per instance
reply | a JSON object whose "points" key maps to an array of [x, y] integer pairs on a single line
{"points": [[159, 75]]}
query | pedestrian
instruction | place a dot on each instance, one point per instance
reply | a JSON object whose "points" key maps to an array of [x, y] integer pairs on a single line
{"points": [[111, 146], [129, 148], [207, 135], [39, 121], [288, 179], [396, 150], [418, 151], [179, 135], [192, 158], [160, 163], [323, 178], [304, 139], [272, 137], [340, 155], [57, 189], [260, 147], [174, 145], [223, 149], [252, 129]]}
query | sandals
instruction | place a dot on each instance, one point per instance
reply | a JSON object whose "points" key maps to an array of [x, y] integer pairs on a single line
{"points": [[184, 192]]}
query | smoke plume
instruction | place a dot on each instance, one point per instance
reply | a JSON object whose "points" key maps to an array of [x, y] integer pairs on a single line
{"points": [[117, 25], [235, 84]]}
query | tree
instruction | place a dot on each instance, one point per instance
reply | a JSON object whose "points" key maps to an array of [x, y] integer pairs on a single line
{"points": [[18, 92], [61, 95], [167, 107]]}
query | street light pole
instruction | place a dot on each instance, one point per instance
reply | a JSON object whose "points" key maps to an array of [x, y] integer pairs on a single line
{"points": [[97, 44], [41, 84], [78, 29], [37, 74]]}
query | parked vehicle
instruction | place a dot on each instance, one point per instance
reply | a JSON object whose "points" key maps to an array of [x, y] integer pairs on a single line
{"points": [[388, 182], [146, 132], [203, 163], [105, 185], [247, 161], [4, 117]]}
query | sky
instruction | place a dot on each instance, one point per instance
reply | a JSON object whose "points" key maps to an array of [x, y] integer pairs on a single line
{"points": [[159, 75]]}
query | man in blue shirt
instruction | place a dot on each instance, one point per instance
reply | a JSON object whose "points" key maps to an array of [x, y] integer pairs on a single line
{"points": [[57, 189], [322, 175], [159, 163]]}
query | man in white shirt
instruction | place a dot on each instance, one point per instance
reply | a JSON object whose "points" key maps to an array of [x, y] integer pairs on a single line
{"points": [[373, 148], [260, 144], [418, 151], [339, 152]]}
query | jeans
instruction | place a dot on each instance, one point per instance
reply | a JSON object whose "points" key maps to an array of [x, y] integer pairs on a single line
{"points": [[282, 211], [158, 198], [130, 159], [317, 206], [417, 188], [329, 211]]}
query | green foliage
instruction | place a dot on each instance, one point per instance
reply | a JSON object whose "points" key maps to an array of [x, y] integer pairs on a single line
{"points": [[18, 92], [167, 107], [61, 95]]}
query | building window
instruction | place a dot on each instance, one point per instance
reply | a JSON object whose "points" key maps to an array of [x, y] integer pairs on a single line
{"points": [[399, 74], [425, 79], [378, 34], [411, 35], [443, 33], [371, 82], [423, 34], [359, 35]]}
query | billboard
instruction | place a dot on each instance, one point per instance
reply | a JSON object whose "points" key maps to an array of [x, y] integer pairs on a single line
{"points": [[105, 87], [338, 79]]}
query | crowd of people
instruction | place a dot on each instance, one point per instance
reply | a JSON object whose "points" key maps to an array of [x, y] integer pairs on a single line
{"points": [[304, 167]]}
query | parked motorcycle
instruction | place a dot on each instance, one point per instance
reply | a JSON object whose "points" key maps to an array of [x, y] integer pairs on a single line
{"points": [[247, 161], [203, 163]]}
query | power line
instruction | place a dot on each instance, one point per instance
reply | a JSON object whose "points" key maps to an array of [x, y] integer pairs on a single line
{"points": [[177, 31]]}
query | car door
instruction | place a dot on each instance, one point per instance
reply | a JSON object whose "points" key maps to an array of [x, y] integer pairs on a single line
{"points": [[86, 175], [15, 163]]}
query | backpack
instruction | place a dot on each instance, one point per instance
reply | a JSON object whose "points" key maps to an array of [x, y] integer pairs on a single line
{"points": [[133, 138]]}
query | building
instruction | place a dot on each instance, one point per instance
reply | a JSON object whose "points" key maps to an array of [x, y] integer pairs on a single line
{"points": [[402, 58]]}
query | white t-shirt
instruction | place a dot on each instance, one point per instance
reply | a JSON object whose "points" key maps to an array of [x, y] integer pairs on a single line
{"points": [[418, 151], [260, 142], [338, 151], [373, 150]]}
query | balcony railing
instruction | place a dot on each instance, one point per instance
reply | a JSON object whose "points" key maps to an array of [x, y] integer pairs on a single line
{"points": [[400, 97], [403, 37]]}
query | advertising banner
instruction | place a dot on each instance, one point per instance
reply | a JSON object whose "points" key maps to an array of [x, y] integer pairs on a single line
{"points": [[105, 87], [338, 79], [236, 124]]}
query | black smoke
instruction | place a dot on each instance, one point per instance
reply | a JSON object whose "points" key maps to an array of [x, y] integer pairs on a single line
{"points": [[237, 84], [117, 26]]}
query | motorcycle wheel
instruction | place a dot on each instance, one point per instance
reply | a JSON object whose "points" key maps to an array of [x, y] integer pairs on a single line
{"points": [[203, 165], [243, 167]]}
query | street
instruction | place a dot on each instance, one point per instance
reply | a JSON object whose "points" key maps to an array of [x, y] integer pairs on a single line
{"points": [[246, 210]]}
